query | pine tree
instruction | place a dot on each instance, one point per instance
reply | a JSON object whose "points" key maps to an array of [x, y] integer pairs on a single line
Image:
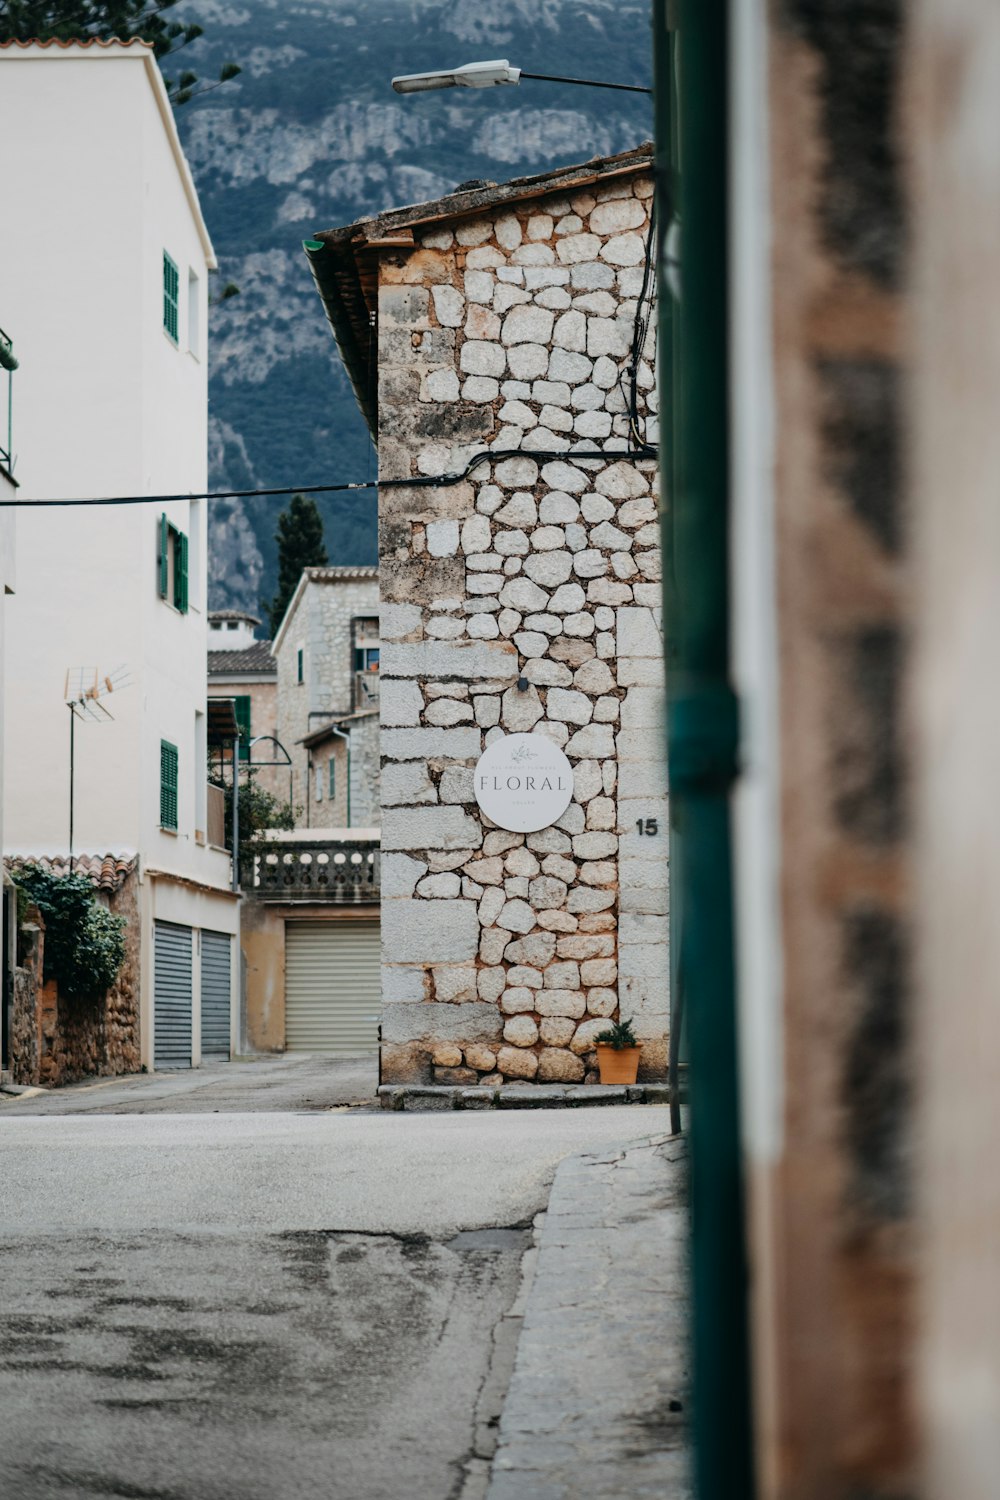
{"points": [[74, 20], [300, 545]]}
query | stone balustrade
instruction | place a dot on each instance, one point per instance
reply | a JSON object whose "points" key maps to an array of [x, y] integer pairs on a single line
{"points": [[345, 871]]}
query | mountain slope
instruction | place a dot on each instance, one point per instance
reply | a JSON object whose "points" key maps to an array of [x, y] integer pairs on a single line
{"points": [[310, 136]]}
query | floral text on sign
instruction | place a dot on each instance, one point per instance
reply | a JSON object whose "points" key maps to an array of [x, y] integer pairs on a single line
{"points": [[523, 782]]}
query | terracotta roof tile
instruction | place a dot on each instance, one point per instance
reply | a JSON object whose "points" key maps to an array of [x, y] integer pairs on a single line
{"points": [[107, 872], [93, 41]]}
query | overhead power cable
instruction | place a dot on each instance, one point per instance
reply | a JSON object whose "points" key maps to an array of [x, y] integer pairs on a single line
{"points": [[423, 481]]}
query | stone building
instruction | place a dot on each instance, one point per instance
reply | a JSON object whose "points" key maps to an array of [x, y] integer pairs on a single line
{"points": [[518, 594], [55, 1040], [241, 667], [327, 654]]}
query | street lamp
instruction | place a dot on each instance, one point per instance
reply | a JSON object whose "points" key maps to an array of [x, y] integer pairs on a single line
{"points": [[486, 75]]}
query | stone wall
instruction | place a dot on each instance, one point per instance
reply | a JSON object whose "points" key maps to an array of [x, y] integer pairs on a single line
{"points": [[25, 1030], [58, 1041], [321, 627], [505, 953]]}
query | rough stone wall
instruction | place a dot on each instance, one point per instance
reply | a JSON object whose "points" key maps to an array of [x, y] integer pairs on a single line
{"points": [[505, 953], [59, 1041], [835, 1233], [321, 625], [25, 1037]]}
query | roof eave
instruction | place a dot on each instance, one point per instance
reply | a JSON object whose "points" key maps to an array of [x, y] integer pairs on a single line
{"points": [[341, 259], [327, 263]]}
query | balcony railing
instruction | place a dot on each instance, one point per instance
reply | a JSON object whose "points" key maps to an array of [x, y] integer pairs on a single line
{"points": [[215, 807], [345, 871], [366, 690], [8, 362]]}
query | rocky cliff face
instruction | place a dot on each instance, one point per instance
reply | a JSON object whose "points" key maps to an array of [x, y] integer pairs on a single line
{"points": [[311, 136]]}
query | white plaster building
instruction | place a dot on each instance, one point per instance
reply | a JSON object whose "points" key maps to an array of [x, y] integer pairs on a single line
{"points": [[107, 252], [8, 493]]}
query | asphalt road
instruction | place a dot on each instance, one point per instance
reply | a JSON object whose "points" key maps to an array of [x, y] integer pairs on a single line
{"points": [[290, 1081], [266, 1305]]}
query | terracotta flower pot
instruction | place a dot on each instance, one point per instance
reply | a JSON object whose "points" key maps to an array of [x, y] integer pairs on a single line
{"points": [[618, 1065]]}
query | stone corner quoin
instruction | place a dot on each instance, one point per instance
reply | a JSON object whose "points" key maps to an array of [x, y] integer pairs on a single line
{"points": [[505, 953]]}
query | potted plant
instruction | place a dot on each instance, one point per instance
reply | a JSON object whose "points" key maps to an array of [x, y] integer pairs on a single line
{"points": [[618, 1053]]}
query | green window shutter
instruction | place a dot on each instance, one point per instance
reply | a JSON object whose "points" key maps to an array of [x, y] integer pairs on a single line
{"points": [[171, 292], [242, 708], [168, 784], [299, 664], [181, 571], [333, 776], [163, 558]]}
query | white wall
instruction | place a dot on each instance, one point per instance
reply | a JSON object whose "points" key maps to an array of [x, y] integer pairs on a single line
{"points": [[8, 491], [95, 190]]}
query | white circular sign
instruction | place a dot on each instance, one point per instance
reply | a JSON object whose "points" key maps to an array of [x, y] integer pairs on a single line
{"points": [[523, 782]]}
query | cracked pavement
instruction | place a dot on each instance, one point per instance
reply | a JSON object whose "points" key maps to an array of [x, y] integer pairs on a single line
{"points": [[600, 1383], [240, 1305]]}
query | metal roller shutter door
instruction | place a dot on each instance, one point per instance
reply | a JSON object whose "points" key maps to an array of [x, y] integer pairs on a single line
{"points": [[332, 987], [172, 952], [216, 951]]}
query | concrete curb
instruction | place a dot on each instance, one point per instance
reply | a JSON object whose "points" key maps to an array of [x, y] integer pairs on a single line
{"points": [[400, 1096], [596, 1403]]}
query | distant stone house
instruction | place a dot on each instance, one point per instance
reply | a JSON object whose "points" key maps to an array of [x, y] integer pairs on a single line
{"points": [[327, 651], [241, 667], [310, 918], [514, 322]]}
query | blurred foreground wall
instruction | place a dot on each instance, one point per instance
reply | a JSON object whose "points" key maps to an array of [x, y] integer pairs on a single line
{"points": [[866, 589], [821, 585], [953, 125]]}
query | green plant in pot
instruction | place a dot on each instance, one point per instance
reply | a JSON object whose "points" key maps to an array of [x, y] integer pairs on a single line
{"points": [[618, 1053]]}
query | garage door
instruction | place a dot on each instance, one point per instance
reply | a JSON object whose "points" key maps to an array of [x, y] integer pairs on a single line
{"points": [[216, 948], [332, 996], [171, 996]]}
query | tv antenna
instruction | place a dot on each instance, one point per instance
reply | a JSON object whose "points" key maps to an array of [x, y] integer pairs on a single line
{"points": [[85, 695]]}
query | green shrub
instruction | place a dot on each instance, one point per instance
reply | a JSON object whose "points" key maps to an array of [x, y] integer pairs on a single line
{"points": [[619, 1035], [84, 942], [259, 809]]}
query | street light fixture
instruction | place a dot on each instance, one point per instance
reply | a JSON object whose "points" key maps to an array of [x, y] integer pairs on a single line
{"points": [[485, 75]]}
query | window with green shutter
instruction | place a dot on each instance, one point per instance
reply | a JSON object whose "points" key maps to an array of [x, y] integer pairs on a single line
{"points": [[163, 557], [171, 296], [172, 565], [168, 784], [241, 706], [180, 572], [300, 665], [333, 776]]}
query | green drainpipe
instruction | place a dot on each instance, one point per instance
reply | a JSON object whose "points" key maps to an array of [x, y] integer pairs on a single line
{"points": [[691, 76]]}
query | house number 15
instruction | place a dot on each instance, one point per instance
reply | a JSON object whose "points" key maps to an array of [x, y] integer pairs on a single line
{"points": [[648, 826]]}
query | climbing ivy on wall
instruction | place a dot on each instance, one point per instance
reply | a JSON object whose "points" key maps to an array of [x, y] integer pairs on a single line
{"points": [[84, 942]]}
